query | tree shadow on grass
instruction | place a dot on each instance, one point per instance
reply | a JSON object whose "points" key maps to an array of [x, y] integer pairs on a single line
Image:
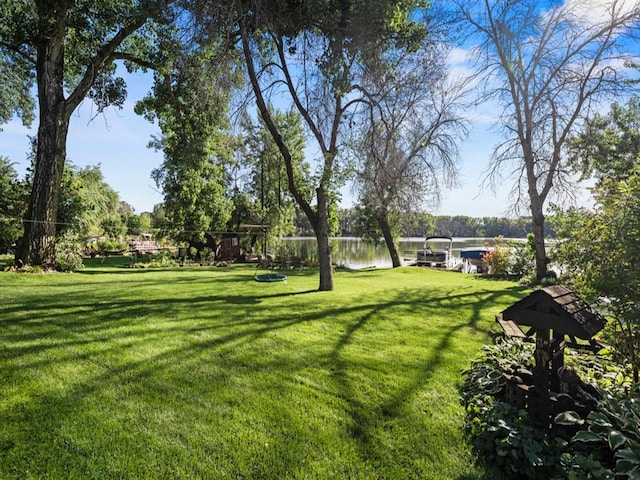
{"points": [[367, 417], [104, 334]]}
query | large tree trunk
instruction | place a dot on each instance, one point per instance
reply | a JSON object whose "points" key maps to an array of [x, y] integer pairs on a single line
{"points": [[319, 219], [383, 223], [538, 235], [38, 243], [321, 229]]}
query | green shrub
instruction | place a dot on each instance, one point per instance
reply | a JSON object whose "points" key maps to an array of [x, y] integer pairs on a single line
{"points": [[523, 257], [602, 370], [611, 434], [207, 256], [105, 246], [162, 259], [505, 438], [607, 443], [511, 257], [68, 257], [498, 258]]}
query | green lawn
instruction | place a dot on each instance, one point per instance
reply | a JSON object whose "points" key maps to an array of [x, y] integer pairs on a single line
{"points": [[204, 373]]}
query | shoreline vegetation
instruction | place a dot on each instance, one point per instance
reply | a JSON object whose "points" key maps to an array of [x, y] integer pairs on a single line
{"points": [[423, 224], [205, 373]]}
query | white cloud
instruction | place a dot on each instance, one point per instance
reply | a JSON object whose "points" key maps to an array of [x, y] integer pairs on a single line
{"points": [[597, 11], [459, 55]]}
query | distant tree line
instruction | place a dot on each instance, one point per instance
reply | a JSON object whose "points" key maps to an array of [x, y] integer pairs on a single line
{"points": [[351, 223]]}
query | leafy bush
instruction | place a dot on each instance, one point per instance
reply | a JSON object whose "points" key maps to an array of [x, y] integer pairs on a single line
{"points": [[68, 257], [582, 466], [611, 434], [207, 256], [498, 258], [511, 257], [602, 370], [162, 259], [523, 257], [600, 256], [506, 439], [105, 246]]}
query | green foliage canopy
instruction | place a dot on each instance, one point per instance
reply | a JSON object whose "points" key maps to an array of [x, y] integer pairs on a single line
{"points": [[91, 30], [609, 145], [88, 204], [601, 252], [13, 199], [191, 111]]}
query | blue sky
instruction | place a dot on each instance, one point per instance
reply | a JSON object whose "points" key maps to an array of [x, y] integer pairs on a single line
{"points": [[117, 141]]}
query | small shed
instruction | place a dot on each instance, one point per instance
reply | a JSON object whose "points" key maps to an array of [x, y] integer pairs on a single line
{"points": [[229, 247], [557, 317]]}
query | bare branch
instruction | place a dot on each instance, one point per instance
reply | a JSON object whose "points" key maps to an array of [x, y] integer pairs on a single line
{"points": [[548, 66], [296, 98], [266, 116]]}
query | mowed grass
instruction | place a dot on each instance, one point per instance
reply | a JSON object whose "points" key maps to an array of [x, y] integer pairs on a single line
{"points": [[204, 373]]}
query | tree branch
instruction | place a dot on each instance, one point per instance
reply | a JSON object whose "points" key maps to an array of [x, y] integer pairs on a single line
{"points": [[268, 120], [106, 54], [133, 59], [296, 98]]}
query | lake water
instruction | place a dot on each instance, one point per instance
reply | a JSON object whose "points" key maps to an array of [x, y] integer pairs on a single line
{"points": [[356, 253]]}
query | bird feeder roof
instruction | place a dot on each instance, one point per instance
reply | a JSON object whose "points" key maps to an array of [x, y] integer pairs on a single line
{"points": [[556, 308]]}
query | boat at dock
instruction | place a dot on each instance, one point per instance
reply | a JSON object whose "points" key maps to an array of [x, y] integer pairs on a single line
{"points": [[436, 253], [475, 256]]}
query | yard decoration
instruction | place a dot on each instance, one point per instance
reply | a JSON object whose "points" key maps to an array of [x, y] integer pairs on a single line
{"points": [[552, 314]]}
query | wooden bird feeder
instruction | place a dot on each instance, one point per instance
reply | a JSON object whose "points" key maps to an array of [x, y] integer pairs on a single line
{"points": [[555, 318]]}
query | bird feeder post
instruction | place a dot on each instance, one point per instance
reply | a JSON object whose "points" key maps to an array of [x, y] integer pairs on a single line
{"points": [[551, 314], [542, 355]]}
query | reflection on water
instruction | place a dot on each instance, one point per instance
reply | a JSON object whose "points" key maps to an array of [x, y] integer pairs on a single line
{"points": [[356, 253]]}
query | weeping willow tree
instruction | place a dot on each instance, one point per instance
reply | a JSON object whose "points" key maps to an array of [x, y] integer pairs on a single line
{"points": [[88, 204]]}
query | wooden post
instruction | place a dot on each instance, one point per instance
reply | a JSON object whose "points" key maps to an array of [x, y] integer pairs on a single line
{"points": [[542, 354], [557, 359]]}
